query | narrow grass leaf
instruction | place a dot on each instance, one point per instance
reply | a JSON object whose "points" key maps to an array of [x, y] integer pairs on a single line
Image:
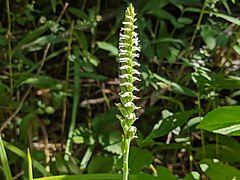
{"points": [[23, 155], [29, 159], [4, 160]]}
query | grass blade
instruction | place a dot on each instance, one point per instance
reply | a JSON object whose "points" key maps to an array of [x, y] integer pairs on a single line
{"points": [[76, 89], [30, 173], [22, 154], [4, 160]]}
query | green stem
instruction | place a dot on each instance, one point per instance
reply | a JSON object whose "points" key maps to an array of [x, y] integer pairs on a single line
{"points": [[67, 78], [9, 36], [217, 145], [203, 143], [193, 37], [75, 100], [197, 27], [126, 144], [202, 132]]}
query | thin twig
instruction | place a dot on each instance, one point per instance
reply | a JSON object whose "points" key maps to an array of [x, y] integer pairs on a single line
{"points": [[64, 113], [4, 125], [9, 37], [46, 150]]}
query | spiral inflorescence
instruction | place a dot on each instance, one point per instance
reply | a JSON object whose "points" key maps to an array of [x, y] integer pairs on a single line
{"points": [[128, 52]]}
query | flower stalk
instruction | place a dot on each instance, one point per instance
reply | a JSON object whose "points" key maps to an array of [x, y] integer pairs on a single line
{"points": [[128, 52]]}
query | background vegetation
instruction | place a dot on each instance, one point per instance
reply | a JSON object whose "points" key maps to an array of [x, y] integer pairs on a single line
{"points": [[59, 86]]}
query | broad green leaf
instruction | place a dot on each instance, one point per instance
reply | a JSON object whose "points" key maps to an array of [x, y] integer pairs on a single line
{"points": [[172, 56], [100, 164], [208, 36], [139, 158], [193, 175], [108, 47], [165, 174], [228, 150], [224, 120], [220, 81], [225, 153], [104, 120], [154, 4], [166, 125], [4, 161], [219, 171], [111, 141]]}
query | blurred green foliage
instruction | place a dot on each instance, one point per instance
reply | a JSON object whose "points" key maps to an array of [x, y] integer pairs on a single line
{"points": [[58, 75]]}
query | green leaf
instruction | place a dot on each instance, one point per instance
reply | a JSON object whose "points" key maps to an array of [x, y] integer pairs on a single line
{"points": [[4, 161], [104, 120], [237, 49], [108, 47], [217, 170], [29, 160], [139, 158], [224, 120], [53, 4], [43, 82], [23, 155], [220, 81], [184, 20], [208, 36], [228, 150], [166, 125], [165, 174], [111, 141], [162, 14], [228, 18], [172, 86], [78, 13], [100, 164], [60, 164], [166, 39], [38, 43], [225, 153], [154, 4], [194, 175], [24, 124], [82, 39], [32, 35]]}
